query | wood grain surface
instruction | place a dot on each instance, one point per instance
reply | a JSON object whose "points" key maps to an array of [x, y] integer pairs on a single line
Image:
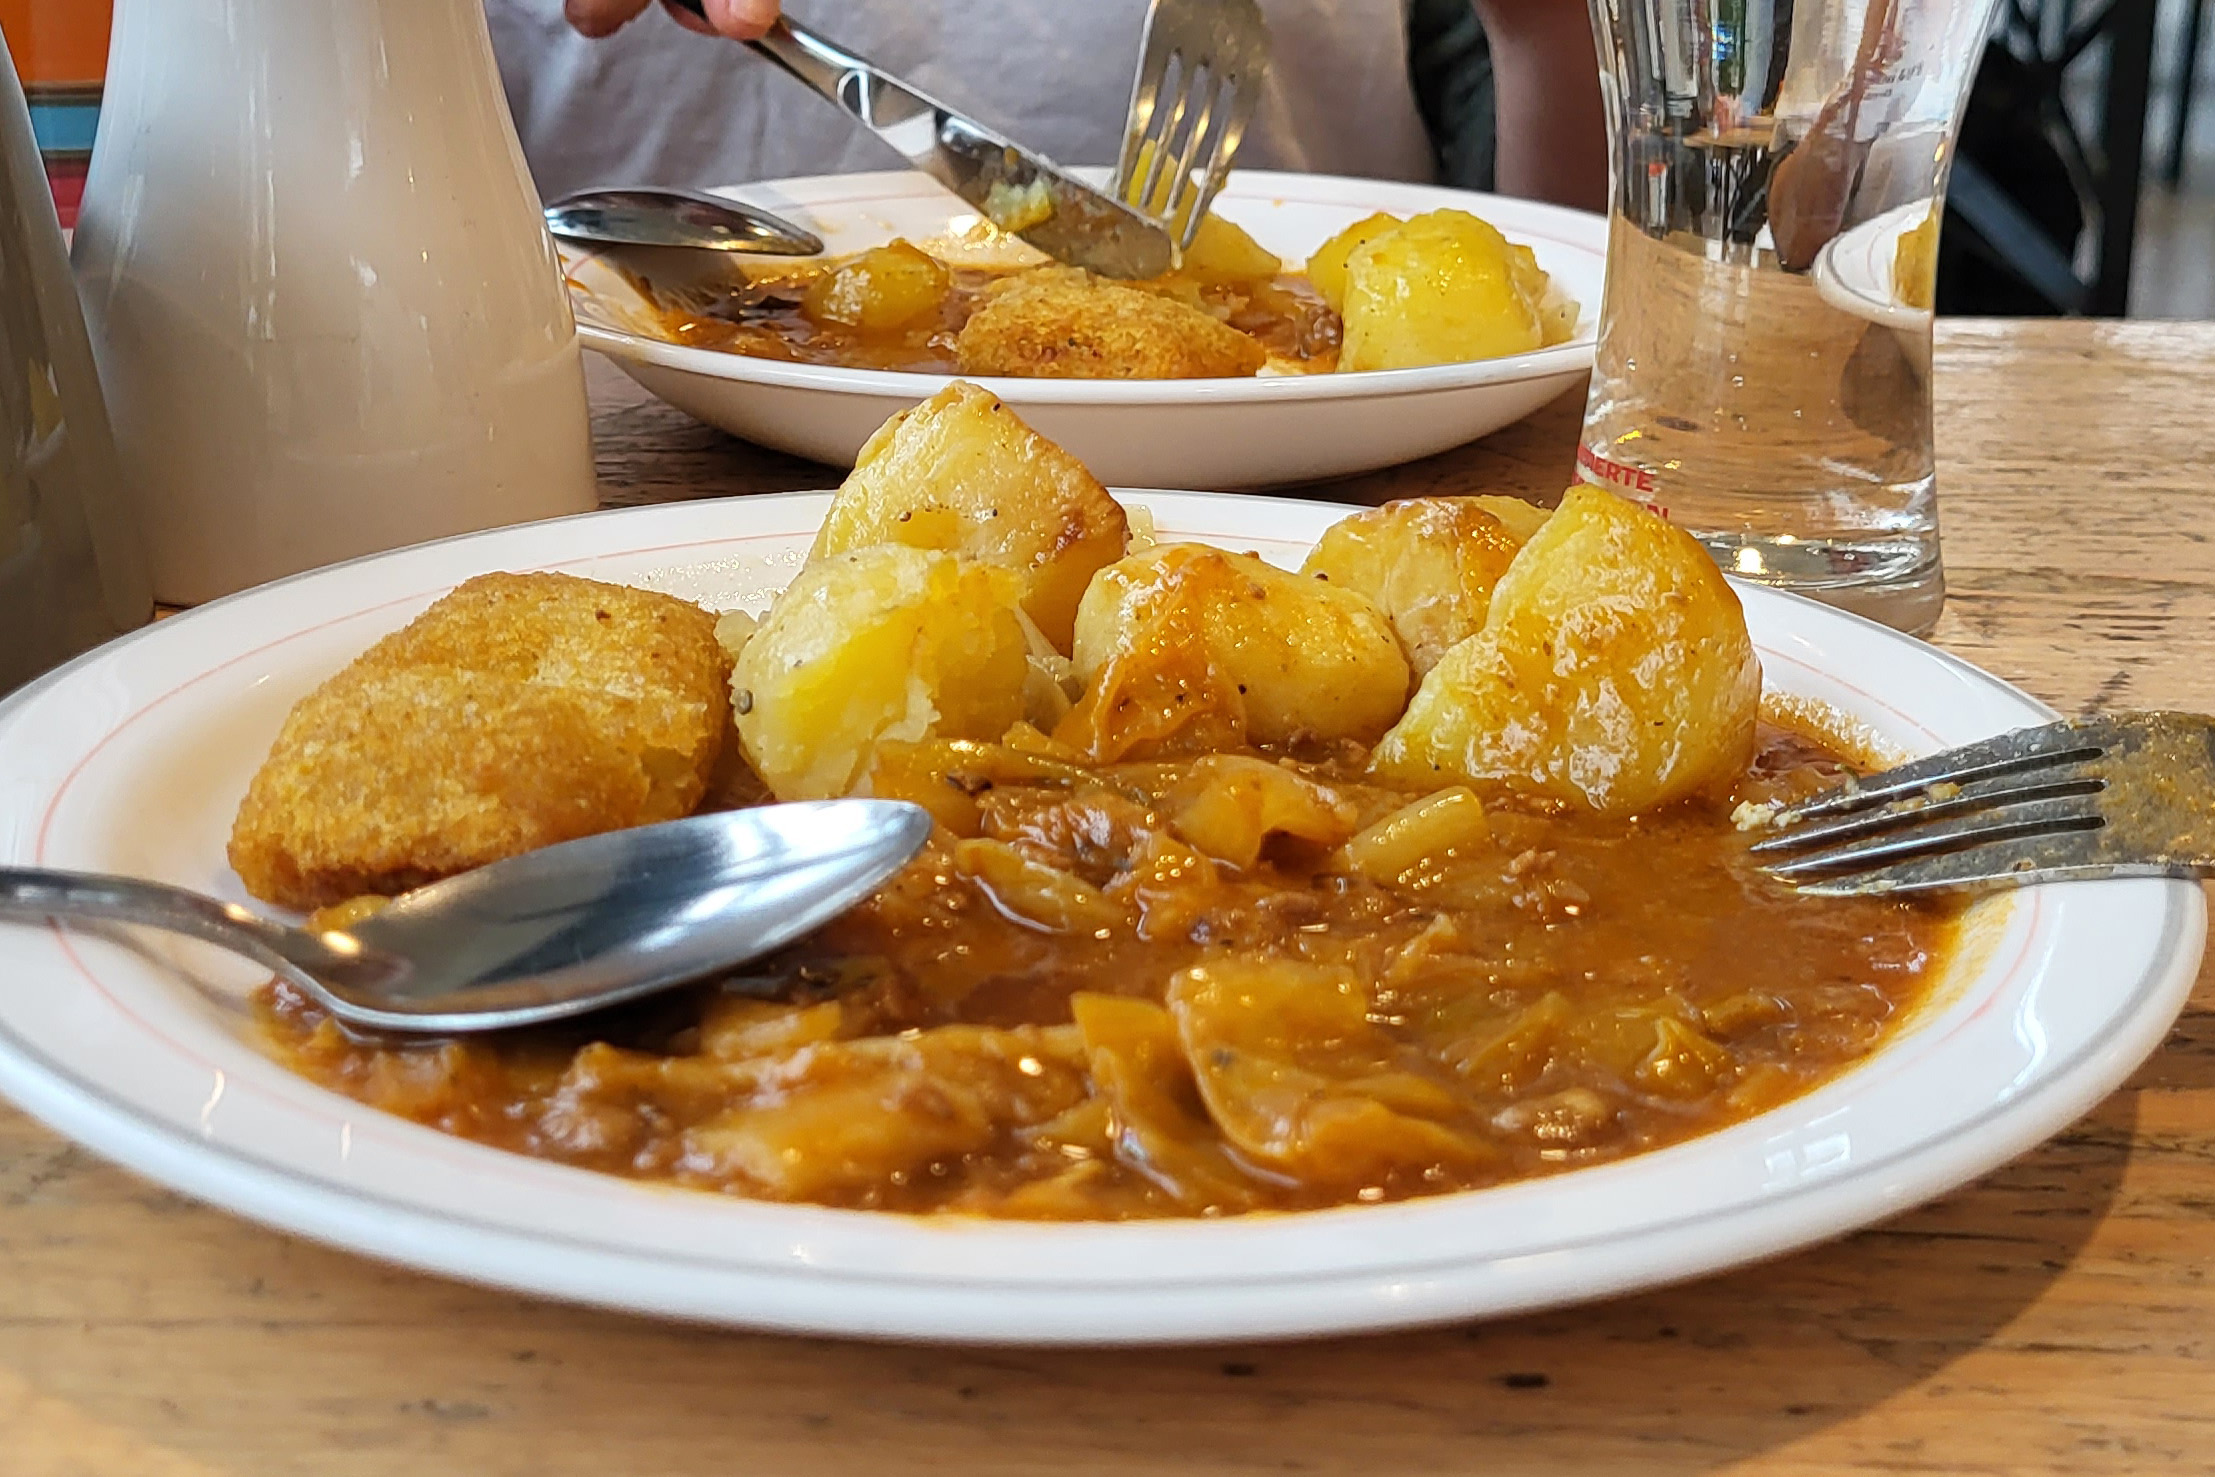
{"points": [[2058, 1316]]}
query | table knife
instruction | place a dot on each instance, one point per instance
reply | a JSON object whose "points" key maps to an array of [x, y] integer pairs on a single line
{"points": [[1022, 193]]}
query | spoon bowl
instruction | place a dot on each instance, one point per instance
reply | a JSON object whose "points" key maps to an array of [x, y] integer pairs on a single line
{"points": [[654, 217], [550, 934]]}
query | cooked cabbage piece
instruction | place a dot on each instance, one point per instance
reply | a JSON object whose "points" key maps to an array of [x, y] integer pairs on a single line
{"points": [[880, 643], [1300, 1080], [963, 473], [1230, 804], [1428, 562], [1186, 648], [1614, 670], [1156, 1119], [839, 1118]]}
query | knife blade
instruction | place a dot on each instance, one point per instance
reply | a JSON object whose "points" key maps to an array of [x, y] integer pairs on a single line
{"points": [[1021, 192]]}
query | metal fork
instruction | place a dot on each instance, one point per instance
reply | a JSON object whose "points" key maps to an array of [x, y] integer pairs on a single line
{"points": [[1199, 74], [2121, 795]]}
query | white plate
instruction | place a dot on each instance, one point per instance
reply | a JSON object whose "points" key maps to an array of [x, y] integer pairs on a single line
{"points": [[1853, 271], [133, 758], [1192, 433]]}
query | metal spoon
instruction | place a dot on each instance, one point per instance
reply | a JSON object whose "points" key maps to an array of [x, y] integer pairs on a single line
{"points": [[648, 217], [552, 933]]}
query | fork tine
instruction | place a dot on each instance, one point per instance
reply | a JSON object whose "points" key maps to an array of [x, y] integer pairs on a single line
{"points": [[1153, 70], [1147, 196], [1157, 49], [2077, 812], [1932, 803], [1993, 865], [2022, 751], [1244, 99], [1177, 209], [1219, 51]]}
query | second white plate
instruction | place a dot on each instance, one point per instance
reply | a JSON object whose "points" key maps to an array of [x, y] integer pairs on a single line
{"points": [[1136, 433]]}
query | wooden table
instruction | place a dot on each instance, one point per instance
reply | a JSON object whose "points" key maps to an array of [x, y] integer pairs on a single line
{"points": [[2058, 1316]]}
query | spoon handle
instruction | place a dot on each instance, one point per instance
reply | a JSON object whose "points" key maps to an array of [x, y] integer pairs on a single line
{"points": [[29, 895]]}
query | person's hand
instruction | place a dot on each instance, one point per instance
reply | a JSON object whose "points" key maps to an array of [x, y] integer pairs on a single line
{"points": [[741, 20]]}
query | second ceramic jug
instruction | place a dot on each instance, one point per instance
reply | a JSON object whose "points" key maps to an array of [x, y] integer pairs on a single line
{"points": [[326, 311]]}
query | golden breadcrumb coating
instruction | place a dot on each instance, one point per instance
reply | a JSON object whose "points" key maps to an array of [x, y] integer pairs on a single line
{"points": [[1066, 324], [518, 711]]}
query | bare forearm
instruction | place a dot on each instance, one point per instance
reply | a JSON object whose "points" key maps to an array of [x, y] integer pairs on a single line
{"points": [[1546, 80]]}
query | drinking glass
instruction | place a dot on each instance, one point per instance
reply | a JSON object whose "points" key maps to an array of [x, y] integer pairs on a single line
{"points": [[1763, 375]]}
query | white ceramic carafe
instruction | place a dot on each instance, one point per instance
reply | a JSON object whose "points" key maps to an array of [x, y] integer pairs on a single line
{"points": [[327, 315]]}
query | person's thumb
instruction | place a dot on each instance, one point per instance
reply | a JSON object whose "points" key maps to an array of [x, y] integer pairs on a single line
{"points": [[598, 18], [742, 20]]}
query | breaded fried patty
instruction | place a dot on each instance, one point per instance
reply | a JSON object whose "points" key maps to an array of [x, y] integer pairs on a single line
{"points": [[1053, 324], [517, 711]]}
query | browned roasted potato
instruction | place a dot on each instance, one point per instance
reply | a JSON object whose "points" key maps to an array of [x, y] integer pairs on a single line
{"points": [[963, 473], [1429, 563], [884, 642], [518, 711], [1061, 323], [1186, 647], [1614, 670]]}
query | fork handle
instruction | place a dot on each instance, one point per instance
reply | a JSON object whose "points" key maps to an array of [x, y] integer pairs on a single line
{"points": [[820, 63], [815, 60]]}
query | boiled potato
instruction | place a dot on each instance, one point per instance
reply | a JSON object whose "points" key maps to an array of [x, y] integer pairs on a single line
{"points": [[1613, 670], [884, 288], [1439, 289], [961, 472], [1428, 562], [1915, 264], [1557, 311], [1221, 254], [879, 643], [1185, 646], [1327, 267]]}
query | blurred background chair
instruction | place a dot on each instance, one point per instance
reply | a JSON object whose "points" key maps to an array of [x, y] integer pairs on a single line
{"points": [[2183, 90], [2042, 212]]}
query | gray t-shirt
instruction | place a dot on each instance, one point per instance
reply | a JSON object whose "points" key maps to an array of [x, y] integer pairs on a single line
{"points": [[657, 104]]}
